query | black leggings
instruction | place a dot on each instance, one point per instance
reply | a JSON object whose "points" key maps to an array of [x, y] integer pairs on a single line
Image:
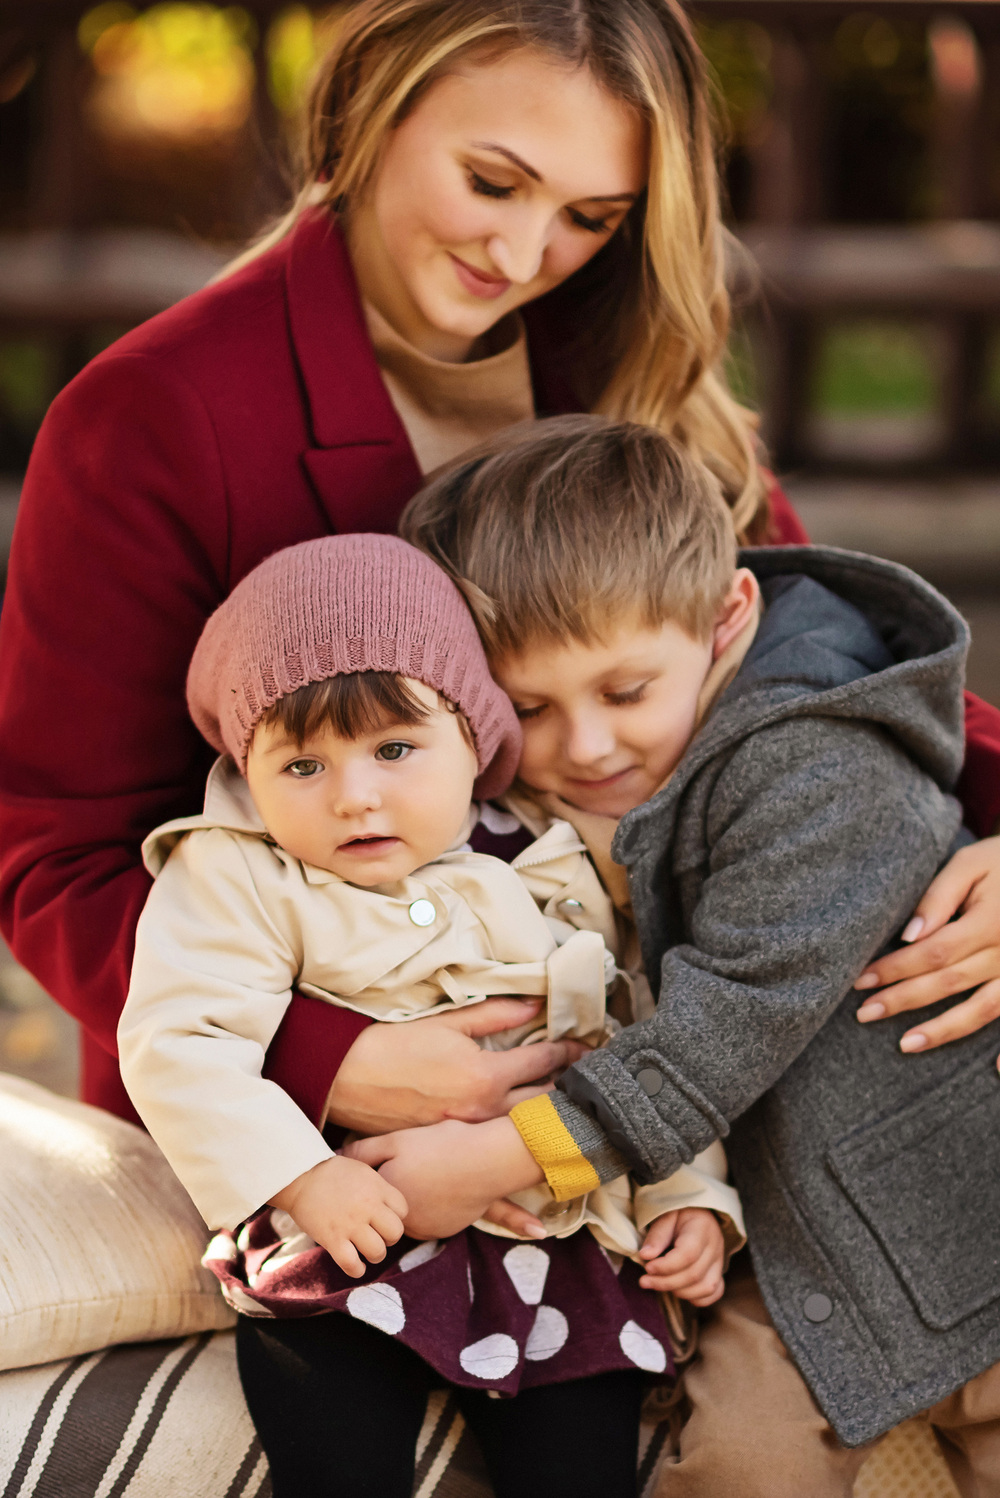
{"points": [[338, 1407]]}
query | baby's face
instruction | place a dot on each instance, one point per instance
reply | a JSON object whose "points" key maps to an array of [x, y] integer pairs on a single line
{"points": [[605, 724], [371, 809]]}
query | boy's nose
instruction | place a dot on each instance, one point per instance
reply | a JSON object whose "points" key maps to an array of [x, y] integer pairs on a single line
{"points": [[588, 741]]}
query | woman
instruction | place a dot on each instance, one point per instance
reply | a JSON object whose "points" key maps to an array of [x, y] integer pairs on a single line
{"points": [[465, 160]]}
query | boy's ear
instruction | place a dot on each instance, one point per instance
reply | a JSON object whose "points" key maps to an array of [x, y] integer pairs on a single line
{"points": [[738, 608]]}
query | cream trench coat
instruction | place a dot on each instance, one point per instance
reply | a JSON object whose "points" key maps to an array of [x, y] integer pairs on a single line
{"points": [[233, 923]]}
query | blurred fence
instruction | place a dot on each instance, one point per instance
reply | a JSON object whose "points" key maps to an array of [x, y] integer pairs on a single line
{"points": [[139, 143]]}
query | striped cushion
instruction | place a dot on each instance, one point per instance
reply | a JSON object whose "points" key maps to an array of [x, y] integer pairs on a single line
{"points": [[167, 1420]]}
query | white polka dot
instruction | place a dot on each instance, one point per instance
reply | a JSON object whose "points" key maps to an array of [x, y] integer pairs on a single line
{"points": [[243, 1238], [642, 1348], [287, 1250], [493, 1357], [422, 1254], [528, 1268], [283, 1225], [380, 1305], [548, 1334], [242, 1302], [220, 1247]]}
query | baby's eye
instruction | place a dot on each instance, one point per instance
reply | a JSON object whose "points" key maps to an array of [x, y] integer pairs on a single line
{"points": [[302, 769], [394, 751], [624, 699]]}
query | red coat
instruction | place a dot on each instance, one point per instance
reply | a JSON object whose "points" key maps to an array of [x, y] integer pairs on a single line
{"points": [[247, 418]]}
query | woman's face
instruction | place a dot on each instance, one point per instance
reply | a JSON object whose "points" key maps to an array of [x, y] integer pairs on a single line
{"points": [[503, 180]]}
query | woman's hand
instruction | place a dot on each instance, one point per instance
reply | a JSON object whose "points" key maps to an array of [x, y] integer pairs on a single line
{"points": [[450, 1172], [350, 1210], [692, 1269], [399, 1076], [944, 957]]}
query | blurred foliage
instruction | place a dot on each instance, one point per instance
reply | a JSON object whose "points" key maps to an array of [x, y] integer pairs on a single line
{"points": [[27, 371], [739, 56], [880, 116], [741, 371], [876, 367], [177, 69]]}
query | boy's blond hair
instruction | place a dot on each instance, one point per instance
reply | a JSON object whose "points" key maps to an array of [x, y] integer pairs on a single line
{"points": [[560, 529]]}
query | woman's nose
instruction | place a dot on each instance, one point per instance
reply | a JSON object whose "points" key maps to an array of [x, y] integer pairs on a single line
{"points": [[518, 253]]}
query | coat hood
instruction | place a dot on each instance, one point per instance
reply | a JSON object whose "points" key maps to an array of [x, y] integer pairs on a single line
{"points": [[842, 635]]}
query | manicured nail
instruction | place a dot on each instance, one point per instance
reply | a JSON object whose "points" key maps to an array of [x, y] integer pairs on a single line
{"points": [[871, 1010], [915, 1042], [867, 980], [914, 929], [535, 1230]]}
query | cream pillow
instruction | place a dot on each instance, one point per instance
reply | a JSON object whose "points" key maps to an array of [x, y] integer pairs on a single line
{"points": [[99, 1242]]}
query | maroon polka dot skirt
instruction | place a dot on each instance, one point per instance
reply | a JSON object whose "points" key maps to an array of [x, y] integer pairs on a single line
{"points": [[483, 1311]]}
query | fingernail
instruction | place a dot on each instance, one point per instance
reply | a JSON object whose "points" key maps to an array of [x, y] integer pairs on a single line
{"points": [[869, 1011], [914, 929], [867, 980], [535, 1230], [914, 1042]]}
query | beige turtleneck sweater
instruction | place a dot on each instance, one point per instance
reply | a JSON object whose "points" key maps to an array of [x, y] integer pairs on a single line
{"points": [[448, 408]]}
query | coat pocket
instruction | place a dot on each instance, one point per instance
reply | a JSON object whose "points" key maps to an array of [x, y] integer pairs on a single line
{"points": [[926, 1180]]}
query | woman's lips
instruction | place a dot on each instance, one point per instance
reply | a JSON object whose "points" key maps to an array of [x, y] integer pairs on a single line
{"points": [[478, 282]]}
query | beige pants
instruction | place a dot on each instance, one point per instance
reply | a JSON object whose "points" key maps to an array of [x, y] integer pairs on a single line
{"points": [[754, 1430]]}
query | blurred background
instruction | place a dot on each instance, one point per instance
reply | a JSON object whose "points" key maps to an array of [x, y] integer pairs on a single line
{"points": [[141, 144]]}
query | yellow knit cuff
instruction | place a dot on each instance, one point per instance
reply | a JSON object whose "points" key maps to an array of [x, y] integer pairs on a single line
{"points": [[568, 1171]]}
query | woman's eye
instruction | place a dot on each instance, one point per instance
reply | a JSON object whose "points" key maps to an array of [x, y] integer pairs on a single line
{"points": [[302, 769], [488, 189], [592, 225], [394, 751], [624, 699]]}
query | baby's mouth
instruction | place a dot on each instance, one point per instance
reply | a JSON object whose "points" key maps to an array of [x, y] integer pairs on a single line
{"points": [[372, 842]]}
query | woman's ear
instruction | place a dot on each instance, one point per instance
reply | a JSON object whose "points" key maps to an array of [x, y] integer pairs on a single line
{"points": [[739, 606]]}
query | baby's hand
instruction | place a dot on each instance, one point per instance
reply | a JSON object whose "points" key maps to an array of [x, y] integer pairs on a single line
{"points": [[692, 1269], [350, 1210]]}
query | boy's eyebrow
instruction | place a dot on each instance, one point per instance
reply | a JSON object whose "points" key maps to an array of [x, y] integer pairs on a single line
{"points": [[536, 176]]}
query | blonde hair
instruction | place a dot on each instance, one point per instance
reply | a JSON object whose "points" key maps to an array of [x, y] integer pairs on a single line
{"points": [[650, 312], [565, 527]]}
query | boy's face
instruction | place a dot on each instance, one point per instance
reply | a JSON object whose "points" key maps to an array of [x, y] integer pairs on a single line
{"points": [[605, 724], [371, 809]]}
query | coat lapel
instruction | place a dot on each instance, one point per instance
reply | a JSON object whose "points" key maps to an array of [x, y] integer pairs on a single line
{"points": [[361, 467]]}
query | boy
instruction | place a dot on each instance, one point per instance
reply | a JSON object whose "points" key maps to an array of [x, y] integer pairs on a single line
{"points": [[776, 781]]}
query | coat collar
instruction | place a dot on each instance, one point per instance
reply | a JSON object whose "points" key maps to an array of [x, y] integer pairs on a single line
{"points": [[362, 465]]}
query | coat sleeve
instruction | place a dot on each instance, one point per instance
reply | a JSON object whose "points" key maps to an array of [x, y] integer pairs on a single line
{"points": [[120, 553], [821, 842], [979, 787], [211, 981]]}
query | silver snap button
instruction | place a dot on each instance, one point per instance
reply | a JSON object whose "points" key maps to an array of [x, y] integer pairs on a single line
{"points": [[571, 904], [817, 1307], [422, 913], [650, 1080]]}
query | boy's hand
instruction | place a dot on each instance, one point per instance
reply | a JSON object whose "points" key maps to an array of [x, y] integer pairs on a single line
{"points": [[350, 1210], [692, 1269], [451, 1172]]}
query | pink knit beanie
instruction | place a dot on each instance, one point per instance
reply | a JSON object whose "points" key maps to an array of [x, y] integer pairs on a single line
{"points": [[337, 605]]}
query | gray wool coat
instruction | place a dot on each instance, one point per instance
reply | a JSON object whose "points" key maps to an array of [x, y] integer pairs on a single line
{"points": [[800, 829]]}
